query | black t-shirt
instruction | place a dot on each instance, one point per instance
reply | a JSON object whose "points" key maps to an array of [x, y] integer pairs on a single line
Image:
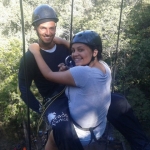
{"points": [[33, 73]]}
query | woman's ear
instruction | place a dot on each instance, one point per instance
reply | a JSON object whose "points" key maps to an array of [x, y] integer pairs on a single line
{"points": [[95, 52]]}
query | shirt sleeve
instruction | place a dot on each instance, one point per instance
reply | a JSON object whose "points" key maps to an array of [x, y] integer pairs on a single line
{"points": [[25, 81], [80, 75]]}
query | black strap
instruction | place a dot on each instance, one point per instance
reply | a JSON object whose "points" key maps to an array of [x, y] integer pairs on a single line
{"points": [[91, 129], [92, 135]]}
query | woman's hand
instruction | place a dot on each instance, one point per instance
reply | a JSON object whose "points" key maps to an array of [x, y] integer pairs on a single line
{"points": [[34, 48], [58, 40], [62, 67]]}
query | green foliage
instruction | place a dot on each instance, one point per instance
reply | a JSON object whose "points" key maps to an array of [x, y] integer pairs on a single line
{"points": [[12, 107], [140, 104], [9, 58], [132, 74]]}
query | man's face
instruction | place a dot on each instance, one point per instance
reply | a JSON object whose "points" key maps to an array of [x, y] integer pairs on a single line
{"points": [[46, 32]]}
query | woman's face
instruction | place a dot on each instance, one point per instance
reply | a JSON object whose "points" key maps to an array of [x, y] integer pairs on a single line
{"points": [[81, 54]]}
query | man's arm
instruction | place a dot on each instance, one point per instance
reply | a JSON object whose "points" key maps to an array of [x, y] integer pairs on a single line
{"points": [[25, 81]]}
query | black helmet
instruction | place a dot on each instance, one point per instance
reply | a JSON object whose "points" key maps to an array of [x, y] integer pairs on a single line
{"points": [[43, 13], [90, 38]]}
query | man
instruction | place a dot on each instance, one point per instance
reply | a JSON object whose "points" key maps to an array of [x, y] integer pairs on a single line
{"points": [[120, 113], [44, 20]]}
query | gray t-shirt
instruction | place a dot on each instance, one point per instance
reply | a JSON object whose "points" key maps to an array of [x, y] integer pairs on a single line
{"points": [[89, 100]]}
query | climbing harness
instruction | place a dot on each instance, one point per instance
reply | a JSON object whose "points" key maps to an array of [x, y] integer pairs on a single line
{"points": [[46, 106], [91, 129]]}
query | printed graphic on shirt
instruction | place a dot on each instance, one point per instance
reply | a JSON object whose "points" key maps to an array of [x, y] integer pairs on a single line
{"points": [[53, 118]]}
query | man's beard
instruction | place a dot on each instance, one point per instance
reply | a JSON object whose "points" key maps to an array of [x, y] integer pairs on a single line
{"points": [[43, 42]]}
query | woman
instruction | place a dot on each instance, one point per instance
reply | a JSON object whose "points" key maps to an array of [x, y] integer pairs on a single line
{"points": [[88, 85]]}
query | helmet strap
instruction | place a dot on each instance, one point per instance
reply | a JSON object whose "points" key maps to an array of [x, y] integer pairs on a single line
{"points": [[92, 59]]}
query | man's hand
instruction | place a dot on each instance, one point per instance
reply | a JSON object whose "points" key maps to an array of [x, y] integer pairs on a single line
{"points": [[34, 48]]}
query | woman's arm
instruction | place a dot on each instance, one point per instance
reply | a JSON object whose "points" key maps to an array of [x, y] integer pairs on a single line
{"points": [[59, 40], [64, 77]]}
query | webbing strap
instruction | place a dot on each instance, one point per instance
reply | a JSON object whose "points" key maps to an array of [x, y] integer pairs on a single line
{"points": [[87, 129], [92, 135]]}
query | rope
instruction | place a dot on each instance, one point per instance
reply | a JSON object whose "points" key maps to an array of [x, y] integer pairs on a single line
{"points": [[71, 20], [116, 57], [26, 79], [50, 102]]}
